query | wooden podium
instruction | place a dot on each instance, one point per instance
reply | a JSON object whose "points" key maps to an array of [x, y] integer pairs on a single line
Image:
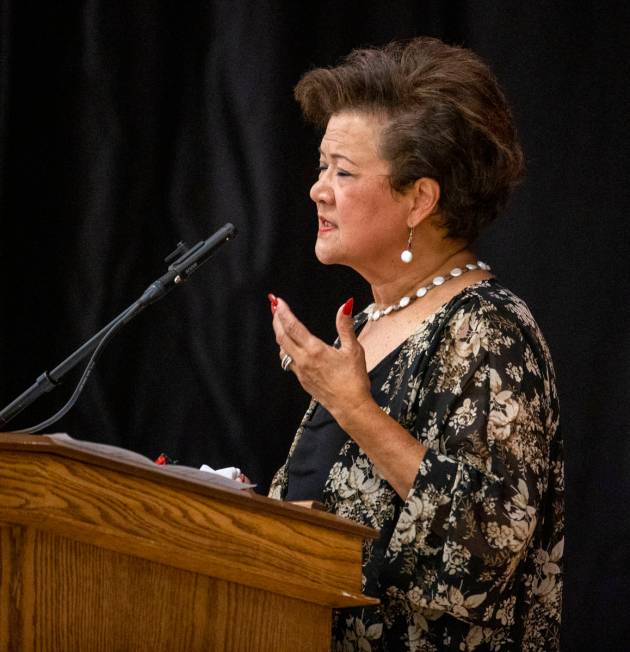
{"points": [[102, 550]]}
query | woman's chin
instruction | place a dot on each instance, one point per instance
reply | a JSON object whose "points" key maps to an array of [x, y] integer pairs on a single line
{"points": [[325, 254]]}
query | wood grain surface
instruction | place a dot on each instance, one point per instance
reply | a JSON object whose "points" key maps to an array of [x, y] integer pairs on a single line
{"points": [[66, 596], [100, 553], [202, 534], [175, 476]]}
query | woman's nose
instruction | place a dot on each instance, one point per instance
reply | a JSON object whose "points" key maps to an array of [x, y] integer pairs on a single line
{"points": [[321, 192]]}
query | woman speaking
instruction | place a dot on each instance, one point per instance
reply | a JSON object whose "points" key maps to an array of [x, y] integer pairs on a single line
{"points": [[434, 417]]}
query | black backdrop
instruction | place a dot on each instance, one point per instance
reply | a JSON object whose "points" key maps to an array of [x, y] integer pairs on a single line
{"points": [[127, 126]]}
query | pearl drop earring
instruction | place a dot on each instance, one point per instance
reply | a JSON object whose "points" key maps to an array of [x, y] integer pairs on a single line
{"points": [[406, 256]]}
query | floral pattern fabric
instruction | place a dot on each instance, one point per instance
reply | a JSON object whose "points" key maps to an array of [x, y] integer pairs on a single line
{"points": [[473, 558]]}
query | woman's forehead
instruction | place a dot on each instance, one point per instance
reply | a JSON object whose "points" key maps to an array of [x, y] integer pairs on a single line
{"points": [[352, 131]]}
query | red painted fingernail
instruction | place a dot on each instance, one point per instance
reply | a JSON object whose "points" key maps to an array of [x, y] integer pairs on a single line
{"points": [[273, 302], [347, 306]]}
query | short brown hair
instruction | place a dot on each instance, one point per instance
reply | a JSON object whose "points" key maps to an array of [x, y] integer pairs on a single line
{"points": [[446, 118]]}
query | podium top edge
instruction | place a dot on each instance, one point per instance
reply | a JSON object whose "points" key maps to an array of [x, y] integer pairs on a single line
{"points": [[176, 476]]}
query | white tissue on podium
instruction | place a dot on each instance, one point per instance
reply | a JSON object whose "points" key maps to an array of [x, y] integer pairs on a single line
{"points": [[230, 472]]}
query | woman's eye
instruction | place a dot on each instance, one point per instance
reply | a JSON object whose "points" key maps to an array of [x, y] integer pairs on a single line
{"points": [[322, 167]]}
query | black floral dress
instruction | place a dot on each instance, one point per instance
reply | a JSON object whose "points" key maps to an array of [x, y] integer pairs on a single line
{"points": [[473, 558]]}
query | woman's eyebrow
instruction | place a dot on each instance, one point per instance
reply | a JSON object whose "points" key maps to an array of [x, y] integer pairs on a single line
{"points": [[337, 156]]}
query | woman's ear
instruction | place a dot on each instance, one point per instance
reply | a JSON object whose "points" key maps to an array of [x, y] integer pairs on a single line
{"points": [[425, 196]]}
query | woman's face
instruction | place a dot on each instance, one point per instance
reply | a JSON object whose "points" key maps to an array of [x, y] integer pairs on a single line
{"points": [[362, 222]]}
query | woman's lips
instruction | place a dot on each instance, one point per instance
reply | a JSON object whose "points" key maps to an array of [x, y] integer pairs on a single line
{"points": [[325, 225]]}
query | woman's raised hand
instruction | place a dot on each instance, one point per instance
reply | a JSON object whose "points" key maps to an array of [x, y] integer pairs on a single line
{"points": [[336, 377]]}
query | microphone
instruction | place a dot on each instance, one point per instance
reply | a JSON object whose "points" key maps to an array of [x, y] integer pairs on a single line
{"points": [[184, 262], [187, 263]]}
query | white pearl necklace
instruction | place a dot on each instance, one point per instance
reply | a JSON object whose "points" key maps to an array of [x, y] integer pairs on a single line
{"points": [[373, 314]]}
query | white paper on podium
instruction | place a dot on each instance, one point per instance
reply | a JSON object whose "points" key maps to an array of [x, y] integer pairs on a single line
{"points": [[230, 472]]}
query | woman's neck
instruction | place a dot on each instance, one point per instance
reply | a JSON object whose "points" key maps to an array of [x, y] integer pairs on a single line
{"points": [[422, 269]]}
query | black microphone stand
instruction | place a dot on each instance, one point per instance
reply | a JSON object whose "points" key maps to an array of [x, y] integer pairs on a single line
{"points": [[184, 262]]}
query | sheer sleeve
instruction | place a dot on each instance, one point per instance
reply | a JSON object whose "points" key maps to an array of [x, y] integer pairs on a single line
{"points": [[486, 409]]}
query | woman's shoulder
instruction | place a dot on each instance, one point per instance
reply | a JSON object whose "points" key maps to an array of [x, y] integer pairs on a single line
{"points": [[492, 302], [490, 316]]}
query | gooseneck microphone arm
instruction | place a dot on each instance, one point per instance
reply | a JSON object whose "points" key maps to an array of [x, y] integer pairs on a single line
{"points": [[184, 262]]}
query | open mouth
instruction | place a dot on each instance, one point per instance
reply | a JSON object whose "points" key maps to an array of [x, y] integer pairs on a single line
{"points": [[325, 225]]}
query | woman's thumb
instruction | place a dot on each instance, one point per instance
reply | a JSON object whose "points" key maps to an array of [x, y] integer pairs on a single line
{"points": [[345, 323]]}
